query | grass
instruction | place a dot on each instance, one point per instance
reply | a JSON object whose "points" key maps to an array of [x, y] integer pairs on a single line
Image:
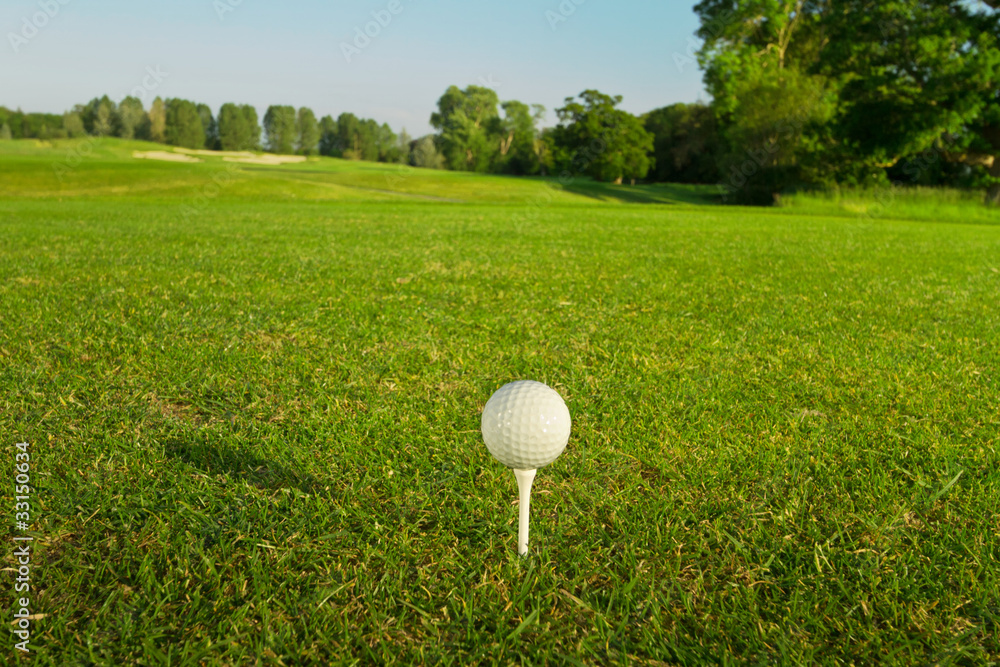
{"points": [[897, 202], [254, 429]]}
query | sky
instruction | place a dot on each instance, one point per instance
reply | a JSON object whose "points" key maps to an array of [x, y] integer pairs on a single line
{"points": [[390, 60]]}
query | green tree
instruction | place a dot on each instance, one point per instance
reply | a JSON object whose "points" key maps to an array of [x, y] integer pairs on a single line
{"points": [[73, 124], [5, 134], [307, 132], [927, 70], [99, 116], [403, 142], [349, 136], [685, 143], [386, 143], [232, 130], [606, 143], [425, 154], [772, 109], [328, 137], [183, 124], [251, 127], [369, 140], [129, 117], [238, 128], [279, 126], [158, 121], [518, 138], [468, 123], [209, 125]]}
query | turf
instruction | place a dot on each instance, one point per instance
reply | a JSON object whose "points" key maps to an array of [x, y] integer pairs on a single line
{"points": [[253, 421]]}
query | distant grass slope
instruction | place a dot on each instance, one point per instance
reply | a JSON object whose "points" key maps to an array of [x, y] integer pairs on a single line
{"points": [[105, 167]]}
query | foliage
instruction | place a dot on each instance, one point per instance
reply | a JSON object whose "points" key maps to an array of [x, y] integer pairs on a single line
{"points": [[210, 125], [518, 139], [130, 119], [183, 124], [328, 137], [468, 122], [685, 143], [279, 129], [158, 121], [239, 129], [425, 154], [306, 132], [606, 143]]}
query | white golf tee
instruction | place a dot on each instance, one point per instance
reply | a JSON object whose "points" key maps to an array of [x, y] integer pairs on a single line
{"points": [[524, 480]]}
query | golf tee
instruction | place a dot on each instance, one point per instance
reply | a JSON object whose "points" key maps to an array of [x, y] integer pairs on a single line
{"points": [[524, 480]]}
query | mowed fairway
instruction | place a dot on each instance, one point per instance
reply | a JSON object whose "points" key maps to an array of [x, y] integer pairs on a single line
{"points": [[254, 430]]}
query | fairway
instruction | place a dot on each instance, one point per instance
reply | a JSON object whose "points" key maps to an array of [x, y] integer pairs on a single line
{"points": [[252, 400]]}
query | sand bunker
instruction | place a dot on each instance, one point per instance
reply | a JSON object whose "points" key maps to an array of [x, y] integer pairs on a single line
{"points": [[267, 159], [188, 151], [164, 155]]}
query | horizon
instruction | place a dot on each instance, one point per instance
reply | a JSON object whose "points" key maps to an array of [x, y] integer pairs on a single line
{"points": [[241, 51]]}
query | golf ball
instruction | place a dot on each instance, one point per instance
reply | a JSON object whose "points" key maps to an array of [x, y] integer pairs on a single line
{"points": [[526, 425]]}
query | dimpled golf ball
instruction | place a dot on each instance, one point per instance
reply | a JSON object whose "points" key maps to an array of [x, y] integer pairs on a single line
{"points": [[526, 425]]}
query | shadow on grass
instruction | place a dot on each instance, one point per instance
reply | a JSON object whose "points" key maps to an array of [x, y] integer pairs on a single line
{"points": [[239, 464], [656, 193]]}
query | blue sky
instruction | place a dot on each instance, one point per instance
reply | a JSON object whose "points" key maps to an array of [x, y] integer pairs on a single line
{"points": [[265, 52]]}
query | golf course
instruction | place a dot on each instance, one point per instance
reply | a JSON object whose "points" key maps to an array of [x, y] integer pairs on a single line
{"points": [[251, 397]]}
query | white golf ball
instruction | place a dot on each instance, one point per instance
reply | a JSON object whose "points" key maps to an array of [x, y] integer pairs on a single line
{"points": [[526, 425]]}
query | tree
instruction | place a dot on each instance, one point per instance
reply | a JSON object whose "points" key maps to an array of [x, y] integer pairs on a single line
{"points": [[425, 154], [771, 108], [238, 128], [518, 138], [349, 136], [368, 140], [386, 143], [232, 129], [279, 126], [928, 70], [73, 124], [183, 124], [5, 134], [158, 121], [403, 142], [99, 116], [307, 132], [468, 122], [129, 117], [209, 125], [685, 143], [328, 138], [606, 143], [251, 128]]}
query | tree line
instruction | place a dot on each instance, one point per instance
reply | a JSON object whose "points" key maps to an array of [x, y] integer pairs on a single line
{"points": [[475, 132], [806, 94]]}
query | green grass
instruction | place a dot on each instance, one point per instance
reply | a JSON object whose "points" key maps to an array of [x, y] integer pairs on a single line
{"points": [[254, 427], [897, 203]]}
